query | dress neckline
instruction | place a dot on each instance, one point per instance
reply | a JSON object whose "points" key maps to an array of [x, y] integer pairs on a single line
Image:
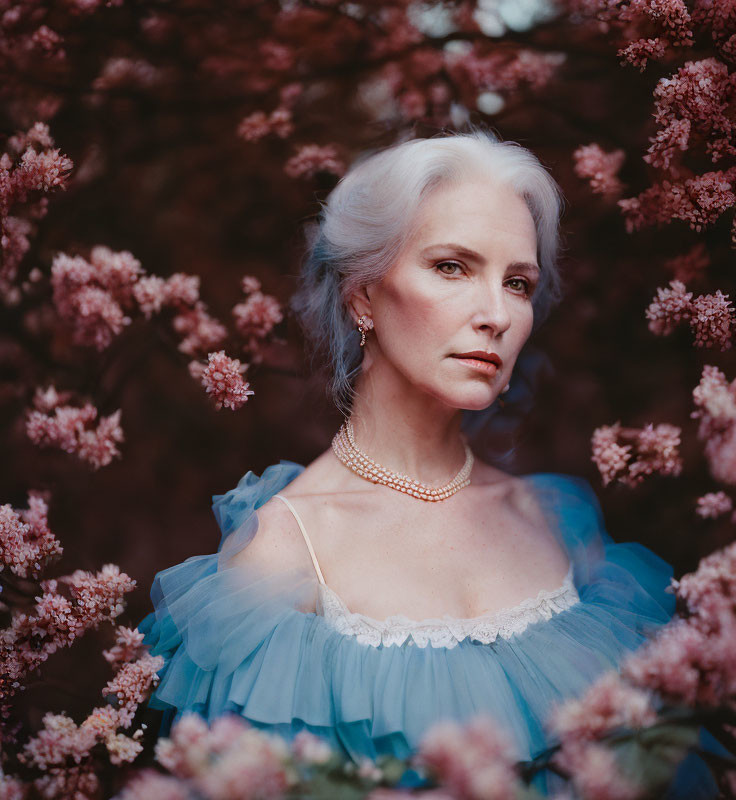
{"points": [[542, 596]]}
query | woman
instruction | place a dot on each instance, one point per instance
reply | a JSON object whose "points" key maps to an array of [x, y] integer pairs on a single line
{"points": [[397, 579]]}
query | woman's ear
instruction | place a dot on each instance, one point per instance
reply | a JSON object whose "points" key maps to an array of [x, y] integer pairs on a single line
{"points": [[360, 306]]}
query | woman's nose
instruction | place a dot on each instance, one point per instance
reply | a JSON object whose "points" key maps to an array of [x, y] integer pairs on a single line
{"points": [[493, 311]]}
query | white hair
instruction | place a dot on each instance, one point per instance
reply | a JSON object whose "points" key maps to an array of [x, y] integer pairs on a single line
{"points": [[367, 219]]}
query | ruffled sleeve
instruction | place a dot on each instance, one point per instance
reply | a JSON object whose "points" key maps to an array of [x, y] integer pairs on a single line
{"points": [[235, 640], [625, 578]]}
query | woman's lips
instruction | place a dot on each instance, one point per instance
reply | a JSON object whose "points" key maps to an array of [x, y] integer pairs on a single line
{"points": [[488, 367]]}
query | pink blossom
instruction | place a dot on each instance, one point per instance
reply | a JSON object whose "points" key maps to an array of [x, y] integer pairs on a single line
{"points": [[692, 661], [128, 646], [132, 684], [150, 294], [122, 72], [715, 407], [182, 289], [259, 125], [257, 316], [668, 308], [62, 783], [715, 402], [502, 70], [48, 399], [201, 331], [472, 761], [595, 772], [311, 749], [249, 284], [689, 265], [609, 455], [57, 620], [699, 201], [687, 666], [122, 748], [48, 41], [311, 159], [607, 704], [59, 739], [12, 788], [91, 296], [222, 378], [103, 720], [695, 100], [713, 504], [230, 759], [26, 543], [254, 127], [720, 451], [639, 52], [713, 582], [593, 164], [40, 172], [655, 449], [151, 785], [712, 320], [186, 751], [30, 166], [657, 452], [71, 429]]}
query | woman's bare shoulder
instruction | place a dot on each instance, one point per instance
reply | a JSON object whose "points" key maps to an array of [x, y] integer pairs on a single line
{"points": [[514, 491], [275, 546], [324, 476]]}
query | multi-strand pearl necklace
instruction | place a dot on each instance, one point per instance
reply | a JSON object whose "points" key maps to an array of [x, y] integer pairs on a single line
{"points": [[347, 451]]}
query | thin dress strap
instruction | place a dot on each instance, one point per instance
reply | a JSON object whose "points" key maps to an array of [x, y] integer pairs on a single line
{"points": [[304, 534]]}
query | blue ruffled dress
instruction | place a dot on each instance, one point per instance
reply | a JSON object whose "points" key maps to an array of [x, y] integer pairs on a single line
{"points": [[236, 641]]}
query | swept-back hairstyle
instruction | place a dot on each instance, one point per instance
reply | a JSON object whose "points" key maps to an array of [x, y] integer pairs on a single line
{"points": [[368, 218]]}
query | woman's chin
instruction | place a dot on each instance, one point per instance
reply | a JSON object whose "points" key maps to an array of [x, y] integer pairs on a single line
{"points": [[477, 402]]}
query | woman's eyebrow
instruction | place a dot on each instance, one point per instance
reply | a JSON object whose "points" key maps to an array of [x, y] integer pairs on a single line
{"points": [[472, 255]]}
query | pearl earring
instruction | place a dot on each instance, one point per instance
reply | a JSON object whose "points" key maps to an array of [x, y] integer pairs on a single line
{"points": [[363, 326]]}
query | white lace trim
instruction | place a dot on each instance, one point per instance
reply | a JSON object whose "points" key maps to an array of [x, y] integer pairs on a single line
{"points": [[446, 631]]}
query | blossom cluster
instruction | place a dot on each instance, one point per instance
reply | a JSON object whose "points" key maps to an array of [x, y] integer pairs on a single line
{"points": [[714, 504], [711, 316], [698, 100], [599, 168], [27, 545], [228, 759], [222, 379], [95, 299], [66, 608], [715, 408], [657, 29], [52, 422], [257, 316], [692, 661], [628, 455], [700, 201], [609, 704], [61, 753], [474, 761], [30, 168]]}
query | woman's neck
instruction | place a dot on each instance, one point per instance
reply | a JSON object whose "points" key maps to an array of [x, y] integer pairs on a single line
{"points": [[407, 431]]}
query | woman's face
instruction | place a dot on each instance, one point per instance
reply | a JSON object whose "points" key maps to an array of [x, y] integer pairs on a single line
{"points": [[463, 283]]}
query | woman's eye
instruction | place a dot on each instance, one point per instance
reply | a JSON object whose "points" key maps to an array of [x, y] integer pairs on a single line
{"points": [[451, 267], [524, 284]]}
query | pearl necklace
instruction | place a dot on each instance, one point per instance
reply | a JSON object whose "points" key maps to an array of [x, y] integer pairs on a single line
{"points": [[347, 451]]}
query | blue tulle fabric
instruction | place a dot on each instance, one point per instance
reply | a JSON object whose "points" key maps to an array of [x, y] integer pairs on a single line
{"points": [[235, 640]]}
